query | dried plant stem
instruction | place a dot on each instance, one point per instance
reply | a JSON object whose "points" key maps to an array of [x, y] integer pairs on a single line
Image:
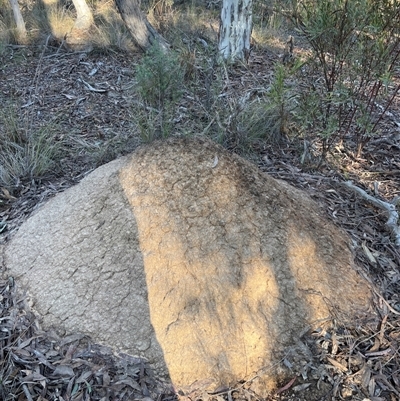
{"points": [[27, 393]]}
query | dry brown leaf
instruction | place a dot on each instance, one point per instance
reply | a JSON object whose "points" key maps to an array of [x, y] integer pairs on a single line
{"points": [[384, 380], [106, 379], [43, 359], [376, 345], [301, 387], [71, 338], [78, 397], [395, 377], [21, 352], [130, 382], [368, 253], [26, 342], [365, 376], [335, 344], [84, 377], [33, 377], [337, 364], [70, 352], [286, 386], [69, 387], [63, 371], [371, 387], [7, 195], [382, 329]]}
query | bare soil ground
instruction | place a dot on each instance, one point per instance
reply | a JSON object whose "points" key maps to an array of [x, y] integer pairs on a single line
{"points": [[90, 97]]}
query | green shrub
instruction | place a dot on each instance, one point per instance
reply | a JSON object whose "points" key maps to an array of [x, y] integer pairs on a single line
{"points": [[271, 117], [355, 46], [159, 77]]}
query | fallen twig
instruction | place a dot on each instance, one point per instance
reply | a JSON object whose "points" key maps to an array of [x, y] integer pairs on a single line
{"points": [[91, 88], [389, 208]]}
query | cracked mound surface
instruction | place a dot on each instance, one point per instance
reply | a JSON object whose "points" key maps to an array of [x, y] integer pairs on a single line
{"points": [[189, 256]]}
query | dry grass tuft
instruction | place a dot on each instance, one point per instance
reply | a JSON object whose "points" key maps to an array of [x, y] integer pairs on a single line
{"points": [[26, 154]]}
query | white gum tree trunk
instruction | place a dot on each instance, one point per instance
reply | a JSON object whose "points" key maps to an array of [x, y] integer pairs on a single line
{"points": [[19, 21], [84, 16], [235, 29]]}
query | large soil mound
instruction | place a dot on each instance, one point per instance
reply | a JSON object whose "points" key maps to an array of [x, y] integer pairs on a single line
{"points": [[190, 257]]}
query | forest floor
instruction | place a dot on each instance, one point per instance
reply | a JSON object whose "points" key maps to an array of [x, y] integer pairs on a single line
{"points": [[89, 98]]}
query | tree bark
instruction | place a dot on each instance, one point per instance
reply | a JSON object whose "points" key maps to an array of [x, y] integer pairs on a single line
{"points": [[235, 29], [79, 37], [140, 28], [84, 16], [19, 21]]}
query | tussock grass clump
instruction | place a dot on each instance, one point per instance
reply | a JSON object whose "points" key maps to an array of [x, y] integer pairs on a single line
{"points": [[270, 117], [26, 154], [51, 19]]}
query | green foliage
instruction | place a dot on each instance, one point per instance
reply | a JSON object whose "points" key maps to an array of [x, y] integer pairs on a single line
{"points": [[159, 78], [355, 45], [25, 154], [271, 117], [280, 102], [155, 124]]}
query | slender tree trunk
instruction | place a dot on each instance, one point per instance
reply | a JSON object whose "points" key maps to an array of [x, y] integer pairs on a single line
{"points": [[79, 37], [235, 29], [84, 16], [21, 30], [140, 28]]}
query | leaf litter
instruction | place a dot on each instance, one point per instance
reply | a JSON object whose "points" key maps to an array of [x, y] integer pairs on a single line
{"points": [[41, 365]]}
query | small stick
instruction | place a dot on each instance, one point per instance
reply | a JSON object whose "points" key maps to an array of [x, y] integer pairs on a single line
{"points": [[389, 208]]}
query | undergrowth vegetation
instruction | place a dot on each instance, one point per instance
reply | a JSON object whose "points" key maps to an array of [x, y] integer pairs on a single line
{"points": [[335, 90], [159, 79], [26, 154], [355, 51]]}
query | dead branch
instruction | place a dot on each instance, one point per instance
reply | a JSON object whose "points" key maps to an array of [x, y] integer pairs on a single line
{"points": [[389, 208], [91, 88]]}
